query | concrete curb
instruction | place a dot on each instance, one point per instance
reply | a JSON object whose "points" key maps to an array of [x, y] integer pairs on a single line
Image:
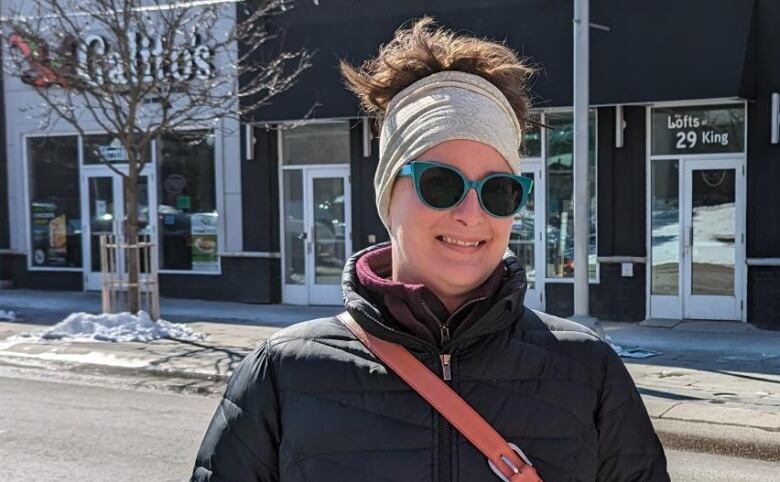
{"points": [[675, 434], [79, 367], [719, 439]]}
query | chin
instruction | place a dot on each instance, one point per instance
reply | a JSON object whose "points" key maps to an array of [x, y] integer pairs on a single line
{"points": [[458, 282]]}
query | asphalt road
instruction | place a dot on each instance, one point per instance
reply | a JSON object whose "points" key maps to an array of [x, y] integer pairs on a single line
{"points": [[93, 428]]}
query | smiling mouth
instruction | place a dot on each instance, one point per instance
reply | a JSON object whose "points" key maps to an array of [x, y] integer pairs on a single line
{"points": [[459, 242]]}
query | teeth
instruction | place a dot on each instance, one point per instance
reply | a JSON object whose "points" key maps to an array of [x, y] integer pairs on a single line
{"points": [[458, 242]]}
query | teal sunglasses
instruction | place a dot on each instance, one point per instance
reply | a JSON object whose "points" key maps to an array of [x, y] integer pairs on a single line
{"points": [[440, 186]]}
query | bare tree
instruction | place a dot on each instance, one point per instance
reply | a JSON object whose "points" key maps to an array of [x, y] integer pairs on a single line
{"points": [[143, 70]]}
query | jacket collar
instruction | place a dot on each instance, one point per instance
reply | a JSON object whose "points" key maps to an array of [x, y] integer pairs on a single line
{"points": [[415, 306], [507, 306]]}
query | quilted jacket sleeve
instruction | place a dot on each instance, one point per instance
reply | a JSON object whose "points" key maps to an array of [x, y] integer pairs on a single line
{"points": [[241, 443], [629, 449]]}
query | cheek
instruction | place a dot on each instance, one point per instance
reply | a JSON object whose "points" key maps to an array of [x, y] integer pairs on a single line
{"points": [[502, 230], [407, 214]]}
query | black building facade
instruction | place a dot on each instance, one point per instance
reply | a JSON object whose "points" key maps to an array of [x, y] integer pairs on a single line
{"points": [[683, 221], [657, 188]]}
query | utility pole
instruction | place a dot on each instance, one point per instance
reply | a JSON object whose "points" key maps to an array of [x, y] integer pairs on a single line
{"points": [[581, 184]]}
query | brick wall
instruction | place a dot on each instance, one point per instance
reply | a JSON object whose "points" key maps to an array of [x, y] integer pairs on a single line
{"points": [[246, 280], [15, 268], [617, 298], [763, 300], [614, 298]]}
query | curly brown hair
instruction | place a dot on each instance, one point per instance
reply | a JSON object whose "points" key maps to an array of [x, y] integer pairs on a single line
{"points": [[424, 49]]}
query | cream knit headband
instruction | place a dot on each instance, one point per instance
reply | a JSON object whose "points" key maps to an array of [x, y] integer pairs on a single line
{"points": [[443, 106]]}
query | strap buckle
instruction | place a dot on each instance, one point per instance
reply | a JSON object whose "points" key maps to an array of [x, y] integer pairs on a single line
{"points": [[509, 463]]}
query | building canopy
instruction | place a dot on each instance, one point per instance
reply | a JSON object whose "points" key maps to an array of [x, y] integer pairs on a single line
{"points": [[663, 50]]}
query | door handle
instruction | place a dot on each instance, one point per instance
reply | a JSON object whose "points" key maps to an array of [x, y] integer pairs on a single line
{"points": [[688, 240]]}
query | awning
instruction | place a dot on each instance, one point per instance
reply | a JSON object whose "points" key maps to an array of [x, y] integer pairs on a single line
{"points": [[660, 50]]}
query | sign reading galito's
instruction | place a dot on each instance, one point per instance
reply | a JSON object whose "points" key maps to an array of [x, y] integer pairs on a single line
{"points": [[99, 62]]}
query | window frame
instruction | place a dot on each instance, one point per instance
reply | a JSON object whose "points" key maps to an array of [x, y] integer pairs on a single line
{"points": [[27, 187], [219, 191], [567, 110]]}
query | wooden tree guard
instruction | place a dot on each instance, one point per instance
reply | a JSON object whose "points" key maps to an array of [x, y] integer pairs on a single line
{"points": [[116, 287]]}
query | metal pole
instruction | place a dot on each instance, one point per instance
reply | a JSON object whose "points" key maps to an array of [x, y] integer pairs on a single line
{"points": [[581, 188]]}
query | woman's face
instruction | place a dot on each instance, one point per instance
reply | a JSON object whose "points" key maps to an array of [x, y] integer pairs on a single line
{"points": [[424, 249]]}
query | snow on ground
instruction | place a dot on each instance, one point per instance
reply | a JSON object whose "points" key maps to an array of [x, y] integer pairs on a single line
{"points": [[714, 228], [7, 315], [631, 352], [113, 327]]}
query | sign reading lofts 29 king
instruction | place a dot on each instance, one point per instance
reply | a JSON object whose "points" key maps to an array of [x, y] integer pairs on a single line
{"points": [[698, 130], [99, 62]]}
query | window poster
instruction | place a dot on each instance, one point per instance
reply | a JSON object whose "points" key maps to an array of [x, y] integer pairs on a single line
{"points": [[204, 242], [50, 235]]}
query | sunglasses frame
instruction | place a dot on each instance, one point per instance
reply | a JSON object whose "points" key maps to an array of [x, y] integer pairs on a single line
{"points": [[416, 168]]}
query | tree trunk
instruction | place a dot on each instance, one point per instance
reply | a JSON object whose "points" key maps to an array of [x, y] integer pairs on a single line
{"points": [[131, 235]]}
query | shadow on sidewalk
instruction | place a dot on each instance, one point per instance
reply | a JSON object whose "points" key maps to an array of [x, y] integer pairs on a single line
{"points": [[712, 362], [222, 361], [666, 394]]}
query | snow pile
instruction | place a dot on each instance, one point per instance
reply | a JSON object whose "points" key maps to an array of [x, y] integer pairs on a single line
{"points": [[631, 352], [115, 327], [7, 315]]}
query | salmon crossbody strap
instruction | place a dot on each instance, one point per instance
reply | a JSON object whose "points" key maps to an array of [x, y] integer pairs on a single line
{"points": [[506, 460]]}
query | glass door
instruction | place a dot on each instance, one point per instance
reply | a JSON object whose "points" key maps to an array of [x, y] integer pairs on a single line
{"points": [[526, 239], [330, 240], [103, 208], [103, 215], [316, 234], [665, 240], [713, 241], [697, 250]]}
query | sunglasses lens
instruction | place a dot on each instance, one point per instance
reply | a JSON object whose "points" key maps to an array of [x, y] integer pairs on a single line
{"points": [[440, 187], [502, 195]]}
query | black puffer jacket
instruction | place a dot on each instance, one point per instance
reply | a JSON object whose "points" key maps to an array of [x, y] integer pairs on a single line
{"points": [[312, 404]]}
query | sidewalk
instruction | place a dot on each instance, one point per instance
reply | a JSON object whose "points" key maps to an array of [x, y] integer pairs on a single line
{"points": [[715, 388]]}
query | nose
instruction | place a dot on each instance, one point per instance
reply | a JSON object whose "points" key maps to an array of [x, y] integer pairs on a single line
{"points": [[469, 212]]}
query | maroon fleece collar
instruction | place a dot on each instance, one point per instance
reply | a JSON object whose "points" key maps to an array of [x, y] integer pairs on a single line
{"points": [[416, 307]]}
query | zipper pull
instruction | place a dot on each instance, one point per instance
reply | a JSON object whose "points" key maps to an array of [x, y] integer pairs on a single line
{"points": [[445, 334], [446, 371]]}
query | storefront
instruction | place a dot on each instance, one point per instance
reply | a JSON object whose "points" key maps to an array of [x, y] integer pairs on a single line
{"points": [[71, 198], [677, 144], [696, 212], [315, 203], [682, 221], [65, 185]]}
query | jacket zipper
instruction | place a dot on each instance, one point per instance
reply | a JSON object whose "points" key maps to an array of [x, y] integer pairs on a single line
{"points": [[445, 428], [444, 328], [446, 369]]}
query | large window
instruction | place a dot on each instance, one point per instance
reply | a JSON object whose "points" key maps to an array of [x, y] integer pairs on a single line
{"points": [[187, 202], [532, 142], [560, 195], [55, 206], [317, 143]]}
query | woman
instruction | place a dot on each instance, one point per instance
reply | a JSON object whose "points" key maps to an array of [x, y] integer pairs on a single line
{"points": [[313, 403]]}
